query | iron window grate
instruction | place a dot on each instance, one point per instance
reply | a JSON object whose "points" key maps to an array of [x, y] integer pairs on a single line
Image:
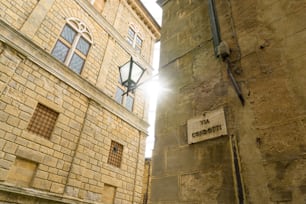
{"points": [[43, 121], [115, 154]]}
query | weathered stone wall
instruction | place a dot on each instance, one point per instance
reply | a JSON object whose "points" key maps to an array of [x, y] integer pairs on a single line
{"points": [[108, 11], [75, 157], [25, 86], [271, 128], [200, 172], [92, 155], [267, 55], [16, 12], [101, 67]]}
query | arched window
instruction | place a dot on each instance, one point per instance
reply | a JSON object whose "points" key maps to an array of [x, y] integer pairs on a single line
{"points": [[73, 44]]}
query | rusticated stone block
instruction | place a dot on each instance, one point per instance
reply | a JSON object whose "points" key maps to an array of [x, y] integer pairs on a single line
{"points": [[281, 196], [165, 189], [204, 187]]}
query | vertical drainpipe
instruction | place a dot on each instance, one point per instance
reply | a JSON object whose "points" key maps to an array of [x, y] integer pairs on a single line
{"points": [[214, 25], [215, 29], [239, 190]]}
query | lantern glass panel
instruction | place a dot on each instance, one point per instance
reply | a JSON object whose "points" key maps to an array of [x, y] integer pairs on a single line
{"points": [[137, 72], [124, 72]]}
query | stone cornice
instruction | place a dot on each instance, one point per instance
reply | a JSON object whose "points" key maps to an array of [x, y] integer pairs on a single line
{"points": [[146, 17], [113, 33], [37, 55]]}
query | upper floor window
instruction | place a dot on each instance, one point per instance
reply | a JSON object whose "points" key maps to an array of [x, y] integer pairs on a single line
{"points": [[73, 45], [126, 100], [134, 39]]}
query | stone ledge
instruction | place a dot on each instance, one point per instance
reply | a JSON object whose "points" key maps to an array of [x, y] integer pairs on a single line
{"points": [[40, 195]]}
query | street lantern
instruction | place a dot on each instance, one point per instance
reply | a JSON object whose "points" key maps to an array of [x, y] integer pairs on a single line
{"points": [[130, 74]]}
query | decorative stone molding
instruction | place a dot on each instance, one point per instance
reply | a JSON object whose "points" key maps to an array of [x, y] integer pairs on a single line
{"points": [[80, 27]]}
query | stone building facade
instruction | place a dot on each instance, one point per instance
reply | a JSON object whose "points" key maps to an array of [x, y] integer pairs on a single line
{"points": [[67, 135], [254, 81]]}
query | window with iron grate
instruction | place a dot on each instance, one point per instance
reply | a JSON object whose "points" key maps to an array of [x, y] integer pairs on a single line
{"points": [[43, 121], [115, 154]]}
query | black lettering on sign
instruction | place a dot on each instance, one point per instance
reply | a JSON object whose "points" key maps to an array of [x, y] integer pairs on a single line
{"points": [[204, 122], [207, 131]]}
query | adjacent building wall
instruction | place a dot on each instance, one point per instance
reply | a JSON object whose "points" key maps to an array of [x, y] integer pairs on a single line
{"points": [[264, 148], [272, 131], [195, 82]]}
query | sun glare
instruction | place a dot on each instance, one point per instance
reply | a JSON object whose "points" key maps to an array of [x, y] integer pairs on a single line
{"points": [[152, 87]]}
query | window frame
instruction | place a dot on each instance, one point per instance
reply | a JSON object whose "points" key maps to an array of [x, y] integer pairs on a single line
{"points": [[81, 33], [131, 96], [133, 39], [124, 98], [115, 156], [120, 91]]}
